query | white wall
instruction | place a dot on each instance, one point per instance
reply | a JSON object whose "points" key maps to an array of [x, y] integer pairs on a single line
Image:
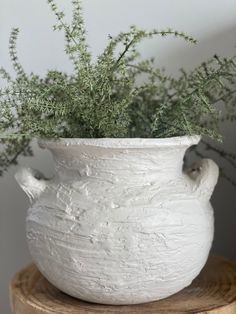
{"points": [[212, 22]]}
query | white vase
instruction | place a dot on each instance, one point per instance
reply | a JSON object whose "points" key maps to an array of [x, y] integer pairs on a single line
{"points": [[120, 223]]}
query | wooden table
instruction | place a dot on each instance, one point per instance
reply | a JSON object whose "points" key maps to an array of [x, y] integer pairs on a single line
{"points": [[213, 292]]}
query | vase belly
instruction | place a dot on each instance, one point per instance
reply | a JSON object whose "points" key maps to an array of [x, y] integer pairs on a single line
{"points": [[119, 243]]}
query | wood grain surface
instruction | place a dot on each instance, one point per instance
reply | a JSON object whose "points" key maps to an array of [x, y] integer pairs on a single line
{"points": [[212, 292]]}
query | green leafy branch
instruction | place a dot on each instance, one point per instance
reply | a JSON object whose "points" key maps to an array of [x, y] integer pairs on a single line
{"points": [[104, 98]]}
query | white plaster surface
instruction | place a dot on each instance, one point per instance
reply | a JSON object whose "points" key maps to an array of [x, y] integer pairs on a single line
{"points": [[120, 223]]}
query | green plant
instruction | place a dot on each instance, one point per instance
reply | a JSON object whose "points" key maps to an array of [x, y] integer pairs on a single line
{"points": [[104, 98]]}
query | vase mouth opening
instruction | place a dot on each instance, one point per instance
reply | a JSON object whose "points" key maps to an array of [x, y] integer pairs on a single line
{"points": [[60, 143]]}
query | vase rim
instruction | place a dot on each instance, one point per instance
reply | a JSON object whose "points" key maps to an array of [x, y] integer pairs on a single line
{"points": [[120, 142]]}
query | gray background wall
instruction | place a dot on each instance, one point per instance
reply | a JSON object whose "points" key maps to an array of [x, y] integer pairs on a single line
{"points": [[212, 22]]}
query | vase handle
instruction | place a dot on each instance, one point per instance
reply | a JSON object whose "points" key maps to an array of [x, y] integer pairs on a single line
{"points": [[204, 175], [32, 182]]}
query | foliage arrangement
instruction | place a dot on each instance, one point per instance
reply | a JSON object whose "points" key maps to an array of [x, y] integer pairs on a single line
{"points": [[105, 98]]}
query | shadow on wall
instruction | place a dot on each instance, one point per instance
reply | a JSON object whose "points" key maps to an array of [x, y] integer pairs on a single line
{"points": [[224, 197], [190, 55]]}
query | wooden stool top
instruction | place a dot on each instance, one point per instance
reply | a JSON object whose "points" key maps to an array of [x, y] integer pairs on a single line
{"points": [[213, 292]]}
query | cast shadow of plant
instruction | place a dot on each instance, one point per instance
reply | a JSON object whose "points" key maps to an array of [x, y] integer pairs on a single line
{"points": [[224, 154]]}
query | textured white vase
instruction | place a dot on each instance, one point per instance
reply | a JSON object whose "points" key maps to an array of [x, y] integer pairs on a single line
{"points": [[120, 223]]}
